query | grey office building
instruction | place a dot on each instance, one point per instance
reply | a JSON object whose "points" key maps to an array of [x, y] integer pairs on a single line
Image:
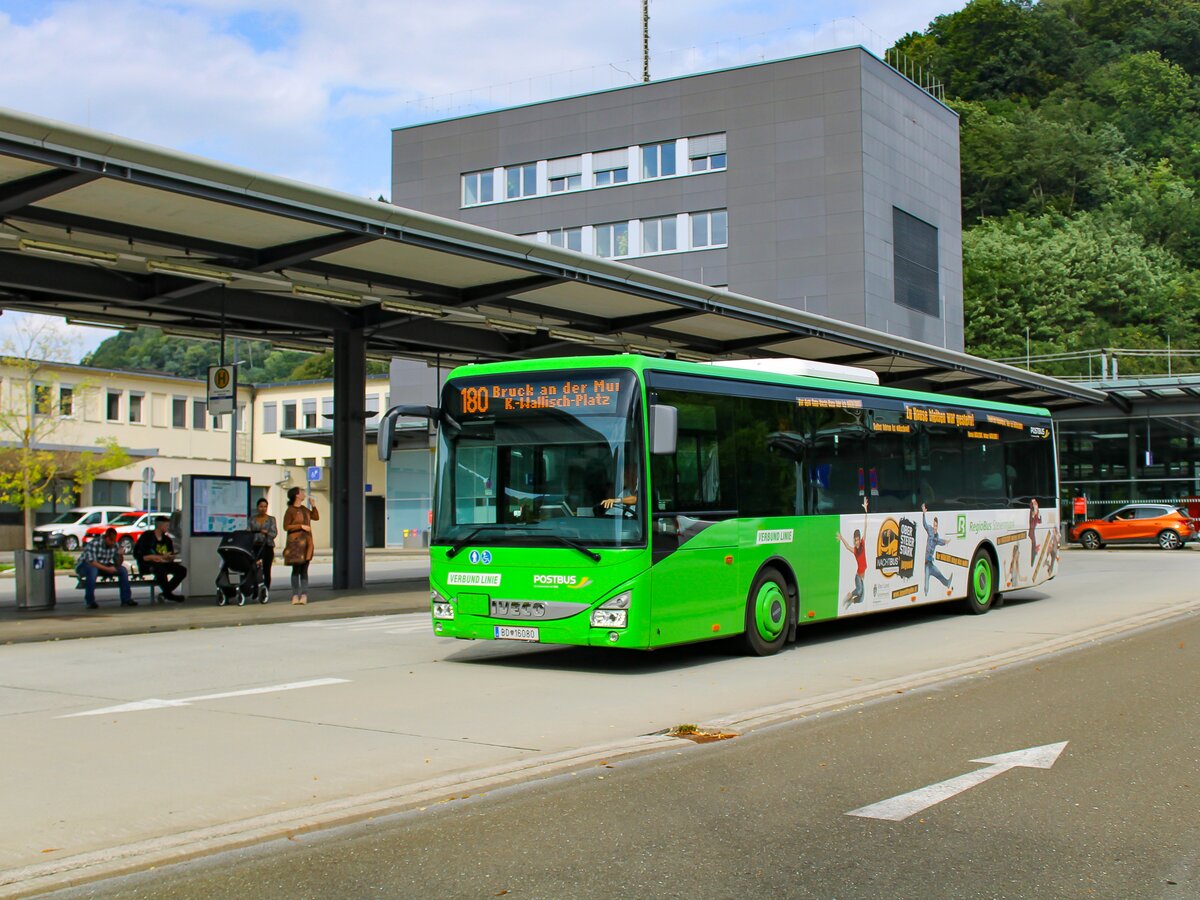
{"points": [[827, 182]]}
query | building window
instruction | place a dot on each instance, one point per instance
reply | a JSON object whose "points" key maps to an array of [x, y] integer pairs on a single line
{"points": [[478, 188], [66, 402], [706, 154], [610, 167], [371, 408], [568, 238], [113, 406], [241, 417], [520, 181], [915, 263], [658, 160], [309, 422], [179, 412], [135, 407], [658, 235], [199, 415], [612, 240], [41, 399], [289, 415], [710, 229], [270, 418], [565, 174], [110, 493], [327, 414]]}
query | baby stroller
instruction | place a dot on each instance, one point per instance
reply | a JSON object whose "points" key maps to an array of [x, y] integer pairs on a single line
{"points": [[241, 577]]}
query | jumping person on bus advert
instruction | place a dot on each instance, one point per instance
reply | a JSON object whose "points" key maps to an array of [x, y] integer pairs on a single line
{"points": [[859, 551], [935, 541], [1035, 519], [298, 551]]}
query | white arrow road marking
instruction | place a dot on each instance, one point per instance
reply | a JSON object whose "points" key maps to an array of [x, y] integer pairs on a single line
{"points": [[139, 705], [897, 809]]}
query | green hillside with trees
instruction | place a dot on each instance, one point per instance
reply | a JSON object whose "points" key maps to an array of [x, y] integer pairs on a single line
{"points": [[1080, 168], [148, 349]]}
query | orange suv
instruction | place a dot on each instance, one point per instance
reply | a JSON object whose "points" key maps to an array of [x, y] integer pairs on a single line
{"points": [[1137, 523]]}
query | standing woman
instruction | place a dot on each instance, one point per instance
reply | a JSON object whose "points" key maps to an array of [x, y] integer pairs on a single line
{"points": [[269, 529], [298, 551]]}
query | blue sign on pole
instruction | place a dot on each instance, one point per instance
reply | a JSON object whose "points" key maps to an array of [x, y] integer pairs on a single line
{"points": [[314, 473]]}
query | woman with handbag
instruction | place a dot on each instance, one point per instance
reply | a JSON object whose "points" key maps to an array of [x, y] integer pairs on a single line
{"points": [[298, 551]]}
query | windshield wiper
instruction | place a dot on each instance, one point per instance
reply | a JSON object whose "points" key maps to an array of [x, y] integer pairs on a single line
{"points": [[457, 547], [575, 545]]}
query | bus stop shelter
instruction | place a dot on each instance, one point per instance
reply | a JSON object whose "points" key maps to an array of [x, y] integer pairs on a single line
{"points": [[112, 232]]}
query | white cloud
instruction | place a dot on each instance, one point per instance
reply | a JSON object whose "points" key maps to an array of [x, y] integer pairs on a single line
{"points": [[310, 88]]}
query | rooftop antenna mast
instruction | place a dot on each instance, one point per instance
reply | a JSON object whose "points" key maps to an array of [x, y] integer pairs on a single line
{"points": [[646, 40]]}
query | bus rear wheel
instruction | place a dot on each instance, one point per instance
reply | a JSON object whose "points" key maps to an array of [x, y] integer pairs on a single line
{"points": [[767, 610], [981, 584]]}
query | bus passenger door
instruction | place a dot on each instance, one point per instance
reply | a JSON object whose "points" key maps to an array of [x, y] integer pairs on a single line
{"points": [[694, 528]]}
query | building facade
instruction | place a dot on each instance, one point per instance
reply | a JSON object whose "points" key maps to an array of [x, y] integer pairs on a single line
{"points": [[828, 183], [162, 424]]}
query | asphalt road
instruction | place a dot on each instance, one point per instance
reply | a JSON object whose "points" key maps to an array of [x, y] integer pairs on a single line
{"points": [[765, 815], [128, 752]]}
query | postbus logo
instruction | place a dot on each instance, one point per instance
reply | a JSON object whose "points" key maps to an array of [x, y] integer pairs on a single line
{"points": [[574, 582]]}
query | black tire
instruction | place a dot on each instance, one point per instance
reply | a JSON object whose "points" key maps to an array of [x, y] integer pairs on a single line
{"points": [[241, 598], [981, 584], [1169, 540], [768, 614], [265, 596], [1090, 540], [221, 598], [70, 542]]}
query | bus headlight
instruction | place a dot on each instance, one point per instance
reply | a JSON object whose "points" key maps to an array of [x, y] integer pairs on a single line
{"points": [[613, 613], [442, 608]]}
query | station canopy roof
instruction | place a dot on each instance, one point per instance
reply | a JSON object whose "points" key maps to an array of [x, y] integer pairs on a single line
{"points": [[108, 231]]}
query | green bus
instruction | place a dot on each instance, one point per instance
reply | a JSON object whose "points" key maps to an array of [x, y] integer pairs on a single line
{"points": [[630, 501]]}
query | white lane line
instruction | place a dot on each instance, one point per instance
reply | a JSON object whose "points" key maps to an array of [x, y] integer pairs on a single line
{"points": [[407, 623], [897, 809], [153, 703]]}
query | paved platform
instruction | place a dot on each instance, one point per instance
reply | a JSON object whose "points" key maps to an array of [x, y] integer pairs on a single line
{"points": [[70, 619]]}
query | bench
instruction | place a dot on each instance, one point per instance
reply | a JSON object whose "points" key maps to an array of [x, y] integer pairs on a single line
{"points": [[136, 579]]}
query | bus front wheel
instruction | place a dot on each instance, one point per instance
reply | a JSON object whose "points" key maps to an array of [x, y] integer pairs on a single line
{"points": [[981, 584], [767, 614]]}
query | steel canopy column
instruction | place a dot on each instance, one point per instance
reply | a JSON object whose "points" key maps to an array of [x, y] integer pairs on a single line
{"points": [[348, 475]]}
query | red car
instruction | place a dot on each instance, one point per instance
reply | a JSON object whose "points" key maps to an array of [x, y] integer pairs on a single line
{"points": [[129, 527], [1137, 523]]}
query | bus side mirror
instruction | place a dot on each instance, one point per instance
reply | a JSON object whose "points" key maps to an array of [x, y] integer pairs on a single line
{"points": [[387, 425], [664, 428]]}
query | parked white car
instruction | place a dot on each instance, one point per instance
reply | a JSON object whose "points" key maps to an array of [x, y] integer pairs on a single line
{"points": [[68, 529]]}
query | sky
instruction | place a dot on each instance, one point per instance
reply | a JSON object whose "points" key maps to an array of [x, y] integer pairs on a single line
{"points": [[310, 89]]}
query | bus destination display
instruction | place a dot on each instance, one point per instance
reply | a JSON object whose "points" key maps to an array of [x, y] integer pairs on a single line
{"points": [[580, 394]]}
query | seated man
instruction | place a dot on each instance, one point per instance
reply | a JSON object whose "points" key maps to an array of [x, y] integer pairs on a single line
{"points": [[155, 553], [103, 557]]}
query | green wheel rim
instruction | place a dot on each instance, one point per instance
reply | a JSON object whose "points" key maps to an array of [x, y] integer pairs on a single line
{"points": [[981, 581], [770, 610]]}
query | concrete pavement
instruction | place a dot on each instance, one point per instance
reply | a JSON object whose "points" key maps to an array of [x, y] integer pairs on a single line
{"points": [[399, 584], [262, 732]]}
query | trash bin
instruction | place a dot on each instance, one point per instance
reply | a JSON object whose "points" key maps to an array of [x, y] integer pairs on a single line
{"points": [[35, 579]]}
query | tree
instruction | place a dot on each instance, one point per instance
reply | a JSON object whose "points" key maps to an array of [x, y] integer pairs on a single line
{"points": [[33, 471]]}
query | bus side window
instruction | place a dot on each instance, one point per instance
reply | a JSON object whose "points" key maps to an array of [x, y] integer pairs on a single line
{"points": [[836, 463]]}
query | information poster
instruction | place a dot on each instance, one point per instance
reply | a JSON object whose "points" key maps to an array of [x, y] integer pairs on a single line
{"points": [[219, 505]]}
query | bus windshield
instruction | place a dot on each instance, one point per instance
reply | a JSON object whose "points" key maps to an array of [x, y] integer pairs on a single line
{"points": [[554, 459]]}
